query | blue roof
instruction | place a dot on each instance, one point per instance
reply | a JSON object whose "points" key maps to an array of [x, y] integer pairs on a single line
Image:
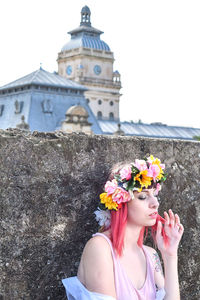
{"points": [[150, 130], [42, 77], [86, 42]]}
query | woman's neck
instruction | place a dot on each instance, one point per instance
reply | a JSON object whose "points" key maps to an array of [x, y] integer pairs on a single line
{"points": [[131, 237]]}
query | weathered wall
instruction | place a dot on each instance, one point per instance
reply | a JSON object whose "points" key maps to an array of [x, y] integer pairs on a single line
{"points": [[48, 192]]}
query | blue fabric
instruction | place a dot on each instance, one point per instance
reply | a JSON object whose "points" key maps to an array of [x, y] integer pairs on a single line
{"points": [[160, 294], [75, 290]]}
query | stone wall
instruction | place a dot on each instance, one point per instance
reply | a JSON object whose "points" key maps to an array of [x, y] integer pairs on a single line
{"points": [[48, 192]]}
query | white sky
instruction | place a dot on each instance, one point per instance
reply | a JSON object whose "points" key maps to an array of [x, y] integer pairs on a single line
{"points": [[156, 45]]}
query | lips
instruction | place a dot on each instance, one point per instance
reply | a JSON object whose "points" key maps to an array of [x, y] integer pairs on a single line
{"points": [[154, 215]]}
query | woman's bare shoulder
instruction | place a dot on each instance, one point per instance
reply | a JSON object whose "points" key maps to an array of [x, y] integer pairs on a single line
{"points": [[154, 255], [96, 267], [158, 271], [150, 250], [96, 251]]}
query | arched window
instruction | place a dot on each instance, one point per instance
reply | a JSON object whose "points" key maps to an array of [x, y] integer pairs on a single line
{"points": [[111, 103], [18, 106], [99, 115], [111, 116], [99, 102], [47, 106]]}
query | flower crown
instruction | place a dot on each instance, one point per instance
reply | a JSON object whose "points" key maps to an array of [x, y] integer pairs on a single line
{"points": [[141, 174]]}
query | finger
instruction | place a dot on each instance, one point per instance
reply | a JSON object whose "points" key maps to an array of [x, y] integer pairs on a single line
{"points": [[177, 221], [166, 218], [172, 219], [181, 229], [159, 230]]}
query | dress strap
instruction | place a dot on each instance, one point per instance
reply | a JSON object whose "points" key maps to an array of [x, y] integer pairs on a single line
{"points": [[108, 240]]}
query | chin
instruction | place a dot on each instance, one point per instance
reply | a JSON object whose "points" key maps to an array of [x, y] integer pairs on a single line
{"points": [[152, 222]]}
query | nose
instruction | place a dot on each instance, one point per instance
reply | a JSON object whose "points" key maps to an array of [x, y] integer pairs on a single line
{"points": [[154, 202]]}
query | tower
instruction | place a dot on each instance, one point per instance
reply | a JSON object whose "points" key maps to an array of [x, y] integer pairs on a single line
{"points": [[88, 60]]}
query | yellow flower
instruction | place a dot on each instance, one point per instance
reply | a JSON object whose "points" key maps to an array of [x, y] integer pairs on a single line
{"points": [[108, 201], [143, 179], [151, 158]]}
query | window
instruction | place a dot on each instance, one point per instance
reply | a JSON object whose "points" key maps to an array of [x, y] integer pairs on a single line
{"points": [[111, 116], [99, 115], [47, 106], [1, 109], [88, 100], [18, 106], [99, 102], [111, 103]]}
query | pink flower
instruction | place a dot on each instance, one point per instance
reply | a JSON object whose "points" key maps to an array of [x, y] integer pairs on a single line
{"points": [[120, 196], [110, 186], [158, 188], [162, 166], [125, 173], [140, 164], [153, 171]]}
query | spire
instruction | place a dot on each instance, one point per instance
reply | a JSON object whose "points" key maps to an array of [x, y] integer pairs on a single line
{"points": [[85, 16], [23, 125], [119, 130]]}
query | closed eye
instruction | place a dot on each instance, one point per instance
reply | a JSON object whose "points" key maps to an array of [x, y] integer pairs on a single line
{"points": [[142, 197]]}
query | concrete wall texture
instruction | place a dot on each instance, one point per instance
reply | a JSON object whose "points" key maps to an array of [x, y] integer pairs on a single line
{"points": [[49, 189]]}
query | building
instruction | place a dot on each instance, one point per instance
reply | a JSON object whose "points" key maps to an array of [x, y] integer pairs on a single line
{"points": [[154, 130], [83, 97], [88, 60], [42, 100]]}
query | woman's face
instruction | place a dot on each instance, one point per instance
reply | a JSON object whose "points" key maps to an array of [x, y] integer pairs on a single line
{"points": [[143, 208]]}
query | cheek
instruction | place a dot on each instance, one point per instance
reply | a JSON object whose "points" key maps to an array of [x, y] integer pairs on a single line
{"points": [[135, 211]]}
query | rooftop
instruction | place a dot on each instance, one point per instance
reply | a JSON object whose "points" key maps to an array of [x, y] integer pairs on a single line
{"points": [[157, 130], [42, 77]]}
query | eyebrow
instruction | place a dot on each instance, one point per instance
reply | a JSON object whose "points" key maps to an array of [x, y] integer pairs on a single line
{"points": [[146, 191]]}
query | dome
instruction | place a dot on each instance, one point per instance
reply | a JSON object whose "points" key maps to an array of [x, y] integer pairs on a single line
{"points": [[77, 110], [85, 35], [86, 42]]}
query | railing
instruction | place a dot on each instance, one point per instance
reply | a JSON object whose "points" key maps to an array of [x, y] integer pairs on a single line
{"points": [[100, 81]]}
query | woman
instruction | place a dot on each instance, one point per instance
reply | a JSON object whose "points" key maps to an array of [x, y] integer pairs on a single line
{"points": [[115, 264]]}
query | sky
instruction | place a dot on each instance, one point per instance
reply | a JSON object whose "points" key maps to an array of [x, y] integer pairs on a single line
{"points": [[156, 45]]}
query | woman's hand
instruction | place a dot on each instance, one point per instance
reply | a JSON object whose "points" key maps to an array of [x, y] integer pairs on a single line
{"points": [[174, 231]]}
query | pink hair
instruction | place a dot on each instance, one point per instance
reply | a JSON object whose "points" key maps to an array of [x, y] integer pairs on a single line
{"points": [[118, 226]]}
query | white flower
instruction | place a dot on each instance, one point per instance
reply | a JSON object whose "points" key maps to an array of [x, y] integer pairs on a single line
{"points": [[125, 185], [103, 217]]}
